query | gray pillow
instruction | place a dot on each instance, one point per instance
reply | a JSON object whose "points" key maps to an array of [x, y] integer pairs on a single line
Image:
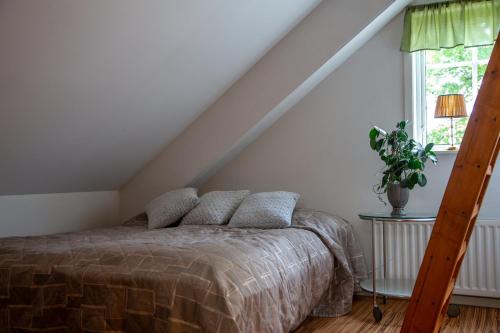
{"points": [[265, 210], [215, 208], [170, 207]]}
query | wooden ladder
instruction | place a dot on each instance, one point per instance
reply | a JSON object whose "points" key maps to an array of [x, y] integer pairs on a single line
{"points": [[459, 208]]}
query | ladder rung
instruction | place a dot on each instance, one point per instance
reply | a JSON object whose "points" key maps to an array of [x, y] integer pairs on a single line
{"points": [[456, 271], [462, 251], [489, 171], [449, 290], [444, 307], [475, 212]]}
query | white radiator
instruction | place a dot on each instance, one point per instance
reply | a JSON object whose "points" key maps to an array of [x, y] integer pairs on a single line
{"points": [[405, 247]]}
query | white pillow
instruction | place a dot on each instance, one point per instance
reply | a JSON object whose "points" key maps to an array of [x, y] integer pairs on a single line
{"points": [[170, 207], [265, 210], [215, 208]]}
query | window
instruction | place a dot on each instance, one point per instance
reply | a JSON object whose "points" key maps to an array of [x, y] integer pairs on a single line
{"points": [[456, 70]]}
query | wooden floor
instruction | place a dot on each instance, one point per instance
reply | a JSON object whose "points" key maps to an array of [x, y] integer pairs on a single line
{"points": [[471, 319]]}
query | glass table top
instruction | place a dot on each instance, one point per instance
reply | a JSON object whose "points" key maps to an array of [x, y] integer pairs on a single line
{"points": [[386, 216], [390, 287]]}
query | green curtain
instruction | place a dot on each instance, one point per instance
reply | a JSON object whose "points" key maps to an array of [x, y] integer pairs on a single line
{"points": [[448, 24]]}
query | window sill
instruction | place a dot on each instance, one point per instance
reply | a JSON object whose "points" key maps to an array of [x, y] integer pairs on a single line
{"points": [[444, 151]]}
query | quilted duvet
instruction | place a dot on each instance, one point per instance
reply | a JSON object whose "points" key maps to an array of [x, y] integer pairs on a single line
{"points": [[181, 279]]}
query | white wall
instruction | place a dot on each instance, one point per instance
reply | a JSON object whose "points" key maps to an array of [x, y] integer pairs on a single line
{"points": [[320, 147], [91, 90], [209, 140], [40, 214]]}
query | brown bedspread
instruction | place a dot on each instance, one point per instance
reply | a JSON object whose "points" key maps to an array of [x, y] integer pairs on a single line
{"points": [[184, 279]]}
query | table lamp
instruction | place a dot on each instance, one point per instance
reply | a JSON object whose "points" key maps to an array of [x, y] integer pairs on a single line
{"points": [[450, 106]]}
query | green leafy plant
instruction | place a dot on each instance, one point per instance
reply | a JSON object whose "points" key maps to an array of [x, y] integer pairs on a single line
{"points": [[404, 158]]}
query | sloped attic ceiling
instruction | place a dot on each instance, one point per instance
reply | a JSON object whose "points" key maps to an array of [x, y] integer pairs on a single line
{"points": [[92, 90]]}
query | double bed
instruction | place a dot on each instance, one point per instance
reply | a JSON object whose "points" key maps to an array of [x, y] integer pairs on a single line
{"points": [[180, 279]]}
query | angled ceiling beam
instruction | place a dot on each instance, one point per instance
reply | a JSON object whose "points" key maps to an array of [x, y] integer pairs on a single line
{"points": [[304, 58], [303, 89]]}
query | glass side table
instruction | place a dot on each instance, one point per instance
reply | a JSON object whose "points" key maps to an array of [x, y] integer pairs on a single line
{"points": [[400, 288]]}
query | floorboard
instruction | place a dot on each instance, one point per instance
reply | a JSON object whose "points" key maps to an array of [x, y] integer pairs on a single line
{"points": [[471, 319]]}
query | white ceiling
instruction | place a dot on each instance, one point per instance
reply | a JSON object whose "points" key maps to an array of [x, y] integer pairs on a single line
{"points": [[92, 90]]}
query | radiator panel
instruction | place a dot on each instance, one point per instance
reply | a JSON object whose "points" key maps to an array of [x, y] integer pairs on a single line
{"points": [[406, 243]]}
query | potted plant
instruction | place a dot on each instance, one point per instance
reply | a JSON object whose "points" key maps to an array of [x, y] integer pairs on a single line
{"points": [[404, 160]]}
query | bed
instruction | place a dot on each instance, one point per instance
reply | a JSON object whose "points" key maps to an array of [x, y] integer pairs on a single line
{"points": [[181, 279]]}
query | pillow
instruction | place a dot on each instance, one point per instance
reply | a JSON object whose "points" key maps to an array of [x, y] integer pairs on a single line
{"points": [[215, 208], [138, 220], [265, 210], [170, 207]]}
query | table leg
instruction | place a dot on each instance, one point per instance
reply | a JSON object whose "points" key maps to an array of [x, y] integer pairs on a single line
{"points": [[374, 277], [377, 313], [384, 253]]}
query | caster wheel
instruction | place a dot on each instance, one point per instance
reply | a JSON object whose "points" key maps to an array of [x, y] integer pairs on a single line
{"points": [[377, 314], [453, 310]]}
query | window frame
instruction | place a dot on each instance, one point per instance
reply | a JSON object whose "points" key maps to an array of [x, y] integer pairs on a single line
{"points": [[415, 94], [414, 79]]}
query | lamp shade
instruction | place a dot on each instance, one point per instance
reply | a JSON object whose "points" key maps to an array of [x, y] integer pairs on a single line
{"points": [[450, 106]]}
